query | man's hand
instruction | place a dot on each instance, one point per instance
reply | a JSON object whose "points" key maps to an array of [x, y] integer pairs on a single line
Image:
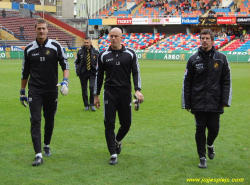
{"points": [[97, 101], [139, 96], [138, 100], [23, 98], [64, 89]]}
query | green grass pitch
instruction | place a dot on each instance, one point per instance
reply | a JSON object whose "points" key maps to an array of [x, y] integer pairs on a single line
{"points": [[159, 149]]}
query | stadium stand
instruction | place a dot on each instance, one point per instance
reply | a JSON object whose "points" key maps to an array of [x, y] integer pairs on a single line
{"points": [[111, 9], [13, 23], [134, 40], [238, 45], [186, 9], [191, 9], [179, 41], [244, 8], [118, 5], [183, 41], [231, 11]]}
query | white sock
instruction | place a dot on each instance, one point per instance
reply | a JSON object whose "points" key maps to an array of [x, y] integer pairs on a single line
{"points": [[210, 146], [45, 145], [114, 156], [39, 154]]}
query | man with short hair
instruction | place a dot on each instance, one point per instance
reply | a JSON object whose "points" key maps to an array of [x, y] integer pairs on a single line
{"points": [[206, 90], [85, 66], [40, 71], [117, 62]]}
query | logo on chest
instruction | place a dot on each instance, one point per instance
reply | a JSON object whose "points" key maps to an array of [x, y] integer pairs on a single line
{"points": [[199, 66], [110, 59], [35, 54], [216, 65]]}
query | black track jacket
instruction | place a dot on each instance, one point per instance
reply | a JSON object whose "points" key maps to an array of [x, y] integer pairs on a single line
{"points": [[207, 82], [41, 64], [118, 66]]}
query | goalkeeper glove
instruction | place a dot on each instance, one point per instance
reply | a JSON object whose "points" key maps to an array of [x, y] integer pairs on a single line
{"points": [[23, 98], [64, 89]]}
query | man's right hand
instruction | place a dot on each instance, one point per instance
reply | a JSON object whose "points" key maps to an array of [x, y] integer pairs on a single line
{"points": [[23, 98], [97, 101]]}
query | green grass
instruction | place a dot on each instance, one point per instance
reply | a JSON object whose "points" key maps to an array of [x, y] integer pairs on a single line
{"points": [[159, 149]]}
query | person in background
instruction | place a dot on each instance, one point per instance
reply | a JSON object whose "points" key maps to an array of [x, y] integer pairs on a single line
{"points": [[21, 31], [224, 35], [85, 66], [4, 13], [106, 32], [102, 32], [235, 4], [31, 14]]}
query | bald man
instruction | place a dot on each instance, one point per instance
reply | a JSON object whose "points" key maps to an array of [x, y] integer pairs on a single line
{"points": [[117, 63]]}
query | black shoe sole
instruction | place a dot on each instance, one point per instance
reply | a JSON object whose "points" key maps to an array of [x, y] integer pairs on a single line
{"points": [[211, 157], [113, 163], [37, 164], [202, 167]]}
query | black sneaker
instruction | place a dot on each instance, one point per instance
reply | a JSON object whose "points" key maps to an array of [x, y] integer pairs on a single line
{"points": [[211, 152], [37, 161], [203, 163], [118, 147], [46, 150], [113, 160]]}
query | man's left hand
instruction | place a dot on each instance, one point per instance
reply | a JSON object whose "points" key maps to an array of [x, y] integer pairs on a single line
{"points": [[97, 101], [23, 98], [139, 96]]}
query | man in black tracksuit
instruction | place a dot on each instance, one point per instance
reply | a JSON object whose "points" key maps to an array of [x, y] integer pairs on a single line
{"points": [[117, 62], [40, 66], [85, 66], [206, 90]]}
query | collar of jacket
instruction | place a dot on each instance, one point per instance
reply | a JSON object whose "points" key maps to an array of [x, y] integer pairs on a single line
{"points": [[211, 52], [85, 49], [122, 49], [45, 42]]}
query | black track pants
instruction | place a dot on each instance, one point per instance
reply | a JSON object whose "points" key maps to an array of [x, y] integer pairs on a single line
{"points": [[204, 120], [37, 101], [122, 104], [84, 78]]}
